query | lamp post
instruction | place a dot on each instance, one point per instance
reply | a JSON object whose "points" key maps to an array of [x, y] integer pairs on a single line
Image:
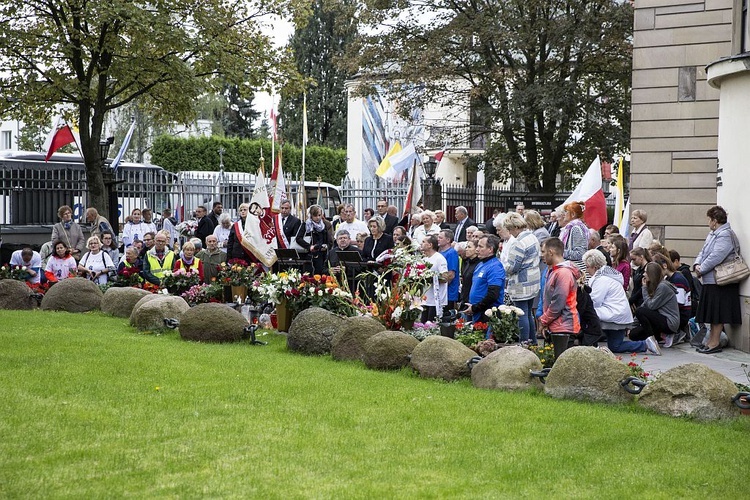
{"points": [[431, 187], [108, 175]]}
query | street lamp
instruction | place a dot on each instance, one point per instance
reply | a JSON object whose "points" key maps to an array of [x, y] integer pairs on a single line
{"points": [[110, 184], [104, 148], [432, 189], [430, 166]]}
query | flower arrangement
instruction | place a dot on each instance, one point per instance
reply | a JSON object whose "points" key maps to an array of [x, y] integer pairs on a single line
{"points": [[321, 291], [202, 293], [273, 287], [20, 273], [237, 272], [503, 322], [129, 276], [423, 330], [180, 279], [470, 334], [187, 228], [545, 353]]}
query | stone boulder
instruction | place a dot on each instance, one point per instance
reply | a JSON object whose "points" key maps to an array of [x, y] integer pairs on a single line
{"points": [[141, 301], [388, 350], [151, 314], [441, 357], [312, 330], [120, 301], [588, 374], [691, 390], [349, 340], [16, 295], [73, 295], [212, 323], [507, 369]]}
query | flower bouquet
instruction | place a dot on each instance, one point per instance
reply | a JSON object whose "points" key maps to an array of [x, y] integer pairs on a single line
{"points": [[129, 276], [187, 228], [503, 322], [180, 280], [470, 334], [202, 293], [237, 272], [19, 273], [321, 291], [273, 287]]}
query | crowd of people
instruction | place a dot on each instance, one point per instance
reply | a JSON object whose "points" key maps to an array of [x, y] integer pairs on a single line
{"points": [[627, 290]]}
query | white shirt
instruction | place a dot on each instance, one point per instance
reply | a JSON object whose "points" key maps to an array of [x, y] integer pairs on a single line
{"points": [[35, 264], [354, 228], [222, 234], [439, 266], [134, 232], [61, 268], [420, 233], [98, 262]]}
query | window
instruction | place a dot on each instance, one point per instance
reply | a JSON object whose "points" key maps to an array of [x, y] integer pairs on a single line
{"points": [[741, 27], [6, 140]]}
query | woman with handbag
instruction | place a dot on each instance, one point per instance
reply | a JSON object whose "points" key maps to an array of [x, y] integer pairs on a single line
{"points": [[719, 304]]}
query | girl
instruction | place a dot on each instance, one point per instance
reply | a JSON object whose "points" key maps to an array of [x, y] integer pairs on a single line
{"points": [[659, 315]]}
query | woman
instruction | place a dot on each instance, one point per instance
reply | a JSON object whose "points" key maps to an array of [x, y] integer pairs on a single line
{"points": [[96, 264], [69, 232], [61, 264], [639, 257], [135, 228], [522, 272], [222, 231], [109, 246], [574, 233], [378, 242], [188, 260], [131, 262], [611, 305], [315, 236], [618, 250], [535, 223], [718, 305], [684, 302], [640, 236], [468, 265], [659, 315]]}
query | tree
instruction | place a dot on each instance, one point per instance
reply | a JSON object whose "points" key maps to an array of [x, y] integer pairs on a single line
{"points": [[318, 49], [85, 59], [548, 81]]}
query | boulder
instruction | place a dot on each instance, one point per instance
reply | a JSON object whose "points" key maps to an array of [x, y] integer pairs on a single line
{"points": [[312, 330], [212, 323], [73, 295], [349, 340], [691, 390], [388, 350], [120, 301], [16, 295], [507, 369], [151, 314], [441, 357], [588, 374], [143, 300]]}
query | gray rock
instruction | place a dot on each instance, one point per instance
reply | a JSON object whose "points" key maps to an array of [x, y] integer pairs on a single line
{"points": [[441, 357], [150, 315], [388, 350], [349, 340], [73, 295], [507, 369], [312, 330], [120, 301], [588, 374], [212, 323], [141, 301], [15, 295], [691, 390]]}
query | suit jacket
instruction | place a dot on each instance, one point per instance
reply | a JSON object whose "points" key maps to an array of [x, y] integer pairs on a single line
{"points": [[554, 229], [205, 228], [291, 227], [373, 247], [489, 226], [461, 236], [391, 222]]}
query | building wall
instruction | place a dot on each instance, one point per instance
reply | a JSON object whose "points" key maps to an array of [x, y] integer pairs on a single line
{"points": [[674, 134]]}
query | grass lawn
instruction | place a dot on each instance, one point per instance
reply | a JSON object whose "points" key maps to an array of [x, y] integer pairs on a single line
{"points": [[91, 408]]}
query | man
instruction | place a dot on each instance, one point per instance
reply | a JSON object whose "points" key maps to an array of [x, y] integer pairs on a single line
{"points": [[205, 224], [553, 226], [440, 220], [559, 311], [343, 244], [148, 219], [351, 223], [488, 280], [30, 259], [520, 209], [464, 221], [288, 225], [445, 246], [158, 260], [148, 244], [169, 224], [391, 221], [216, 211], [489, 225], [595, 242], [211, 257], [437, 293], [98, 223]]}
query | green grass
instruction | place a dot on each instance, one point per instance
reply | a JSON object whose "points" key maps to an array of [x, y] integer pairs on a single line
{"points": [[91, 408]]}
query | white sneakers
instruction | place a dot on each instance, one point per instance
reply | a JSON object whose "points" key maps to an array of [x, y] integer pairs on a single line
{"points": [[652, 346]]}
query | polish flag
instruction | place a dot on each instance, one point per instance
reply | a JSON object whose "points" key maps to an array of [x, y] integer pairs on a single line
{"points": [[589, 191], [439, 155], [60, 135]]}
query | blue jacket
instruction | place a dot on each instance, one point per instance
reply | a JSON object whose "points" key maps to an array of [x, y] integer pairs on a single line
{"points": [[719, 246], [488, 273]]}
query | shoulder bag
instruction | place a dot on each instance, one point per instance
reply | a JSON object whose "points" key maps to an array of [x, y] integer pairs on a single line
{"points": [[732, 270]]}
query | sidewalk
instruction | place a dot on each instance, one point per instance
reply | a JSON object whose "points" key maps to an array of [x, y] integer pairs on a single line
{"points": [[729, 362]]}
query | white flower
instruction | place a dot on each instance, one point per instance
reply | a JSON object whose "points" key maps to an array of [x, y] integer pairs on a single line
{"points": [[488, 312], [23, 268], [320, 293], [518, 311]]}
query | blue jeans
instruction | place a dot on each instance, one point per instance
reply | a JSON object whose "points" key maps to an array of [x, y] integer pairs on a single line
{"points": [[526, 322], [616, 342]]}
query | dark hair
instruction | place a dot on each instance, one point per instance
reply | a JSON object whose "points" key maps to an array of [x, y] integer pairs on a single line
{"points": [[448, 234], [674, 255], [217, 203], [621, 245], [493, 241], [554, 244], [402, 228], [112, 245], [663, 260], [641, 252], [432, 240], [60, 242], [612, 229], [655, 275], [718, 214], [404, 241]]}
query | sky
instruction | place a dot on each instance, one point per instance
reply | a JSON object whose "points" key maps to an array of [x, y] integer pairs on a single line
{"points": [[279, 30]]}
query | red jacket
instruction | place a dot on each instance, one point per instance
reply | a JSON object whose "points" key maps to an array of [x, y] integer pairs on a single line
{"points": [[560, 314]]}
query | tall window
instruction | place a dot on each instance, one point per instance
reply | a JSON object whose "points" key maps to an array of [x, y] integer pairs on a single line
{"points": [[6, 139], [745, 28]]}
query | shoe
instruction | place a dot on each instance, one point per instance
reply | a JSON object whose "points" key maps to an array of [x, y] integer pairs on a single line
{"points": [[680, 337], [668, 342], [652, 346], [710, 350]]}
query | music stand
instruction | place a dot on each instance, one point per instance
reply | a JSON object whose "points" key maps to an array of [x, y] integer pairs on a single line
{"points": [[289, 257], [347, 256]]}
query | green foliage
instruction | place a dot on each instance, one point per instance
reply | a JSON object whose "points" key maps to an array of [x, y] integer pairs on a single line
{"points": [[243, 155], [92, 409]]}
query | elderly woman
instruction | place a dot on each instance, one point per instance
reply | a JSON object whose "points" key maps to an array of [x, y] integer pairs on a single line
{"points": [[522, 272], [69, 231], [131, 261], [612, 305], [718, 305], [96, 264], [574, 233], [222, 231], [188, 260], [428, 227], [378, 241], [640, 236]]}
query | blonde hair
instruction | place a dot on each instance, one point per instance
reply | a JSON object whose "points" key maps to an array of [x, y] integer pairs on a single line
{"points": [[514, 220], [533, 220], [188, 246], [93, 239]]}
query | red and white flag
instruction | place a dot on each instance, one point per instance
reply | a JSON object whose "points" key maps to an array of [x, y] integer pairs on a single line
{"points": [[277, 186], [273, 124], [61, 135], [589, 191], [439, 155], [415, 190]]}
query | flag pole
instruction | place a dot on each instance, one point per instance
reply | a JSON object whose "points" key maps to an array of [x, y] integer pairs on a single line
{"points": [[304, 144]]}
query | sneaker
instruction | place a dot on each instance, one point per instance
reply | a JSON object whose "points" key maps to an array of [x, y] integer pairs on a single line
{"points": [[668, 342], [681, 335], [652, 346]]}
